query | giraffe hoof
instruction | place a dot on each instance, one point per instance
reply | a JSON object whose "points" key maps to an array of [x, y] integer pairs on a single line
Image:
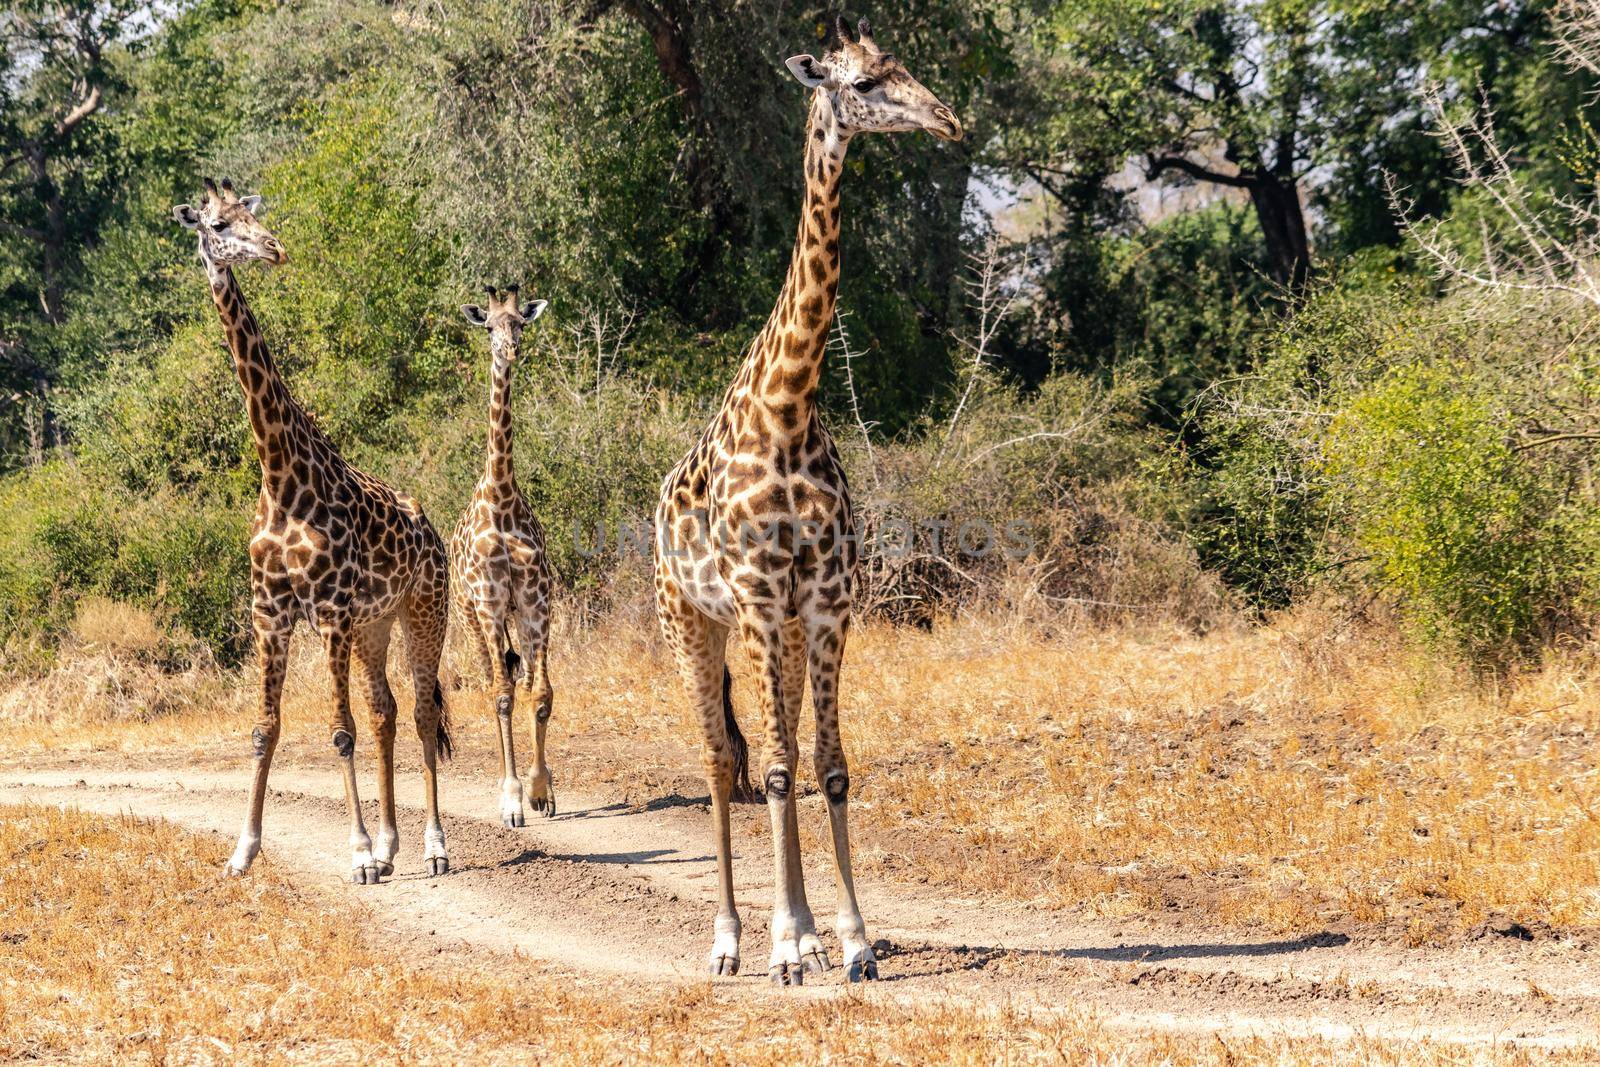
{"points": [[383, 869], [545, 806], [863, 971], [512, 822], [815, 962], [724, 966], [787, 974], [230, 871], [438, 865]]}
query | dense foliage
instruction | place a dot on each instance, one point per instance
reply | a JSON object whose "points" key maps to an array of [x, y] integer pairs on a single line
{"points": [[1208, 363]]}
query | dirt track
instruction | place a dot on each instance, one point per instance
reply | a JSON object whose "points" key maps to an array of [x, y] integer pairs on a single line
{"points": [[606, 889]]}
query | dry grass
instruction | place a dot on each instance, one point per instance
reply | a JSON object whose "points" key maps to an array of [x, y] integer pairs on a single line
{"points": [[1275, 778], [117, 941]]}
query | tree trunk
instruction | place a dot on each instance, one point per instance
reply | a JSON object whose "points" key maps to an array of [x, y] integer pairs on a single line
{"points": [[670, 26], [1283, 226]]}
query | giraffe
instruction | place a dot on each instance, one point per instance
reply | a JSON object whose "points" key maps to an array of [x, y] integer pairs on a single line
{"points": [[498, 568], [766, 467], [330, 545]]}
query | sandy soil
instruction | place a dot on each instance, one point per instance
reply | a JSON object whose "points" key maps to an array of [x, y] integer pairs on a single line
{"points": [[624, 886]]}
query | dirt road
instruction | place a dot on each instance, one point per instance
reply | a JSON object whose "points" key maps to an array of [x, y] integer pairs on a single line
{"points": [[608, 889]]}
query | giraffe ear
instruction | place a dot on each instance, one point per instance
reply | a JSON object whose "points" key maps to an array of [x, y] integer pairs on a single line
{"points": [[187, 216], [254, 204], [475, 314], [809, 71], [532, 309]]}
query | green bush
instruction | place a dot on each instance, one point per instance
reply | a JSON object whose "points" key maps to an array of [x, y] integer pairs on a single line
{"points": [[1450, 519], [64, 535], [1389, 443]]}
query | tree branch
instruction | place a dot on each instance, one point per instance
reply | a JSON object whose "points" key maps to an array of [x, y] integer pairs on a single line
{"points": [[84, 108], [24, 231], [1159, 164]]}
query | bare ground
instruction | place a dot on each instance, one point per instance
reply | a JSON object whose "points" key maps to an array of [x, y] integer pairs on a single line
{"points": [[623, 886]]}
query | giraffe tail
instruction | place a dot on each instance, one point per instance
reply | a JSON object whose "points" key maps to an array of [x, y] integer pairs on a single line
{"points": [[512, 661], [741, 751], [447, 746]]}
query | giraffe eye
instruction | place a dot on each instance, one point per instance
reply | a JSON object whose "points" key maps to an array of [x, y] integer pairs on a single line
{"points": [[218, 227], [865, 85]]}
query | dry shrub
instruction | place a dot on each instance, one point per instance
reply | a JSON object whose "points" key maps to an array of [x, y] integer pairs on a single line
{"points": [[119, 665], [119, 629], [1063, 495]]}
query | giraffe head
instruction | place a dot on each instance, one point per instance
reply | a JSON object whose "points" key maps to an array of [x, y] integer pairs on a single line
{"points": [[504, 318], [230, 227], [870, 90]]}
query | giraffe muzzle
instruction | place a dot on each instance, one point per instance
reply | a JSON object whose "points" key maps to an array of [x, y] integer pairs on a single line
{"points": [[951, 129]]}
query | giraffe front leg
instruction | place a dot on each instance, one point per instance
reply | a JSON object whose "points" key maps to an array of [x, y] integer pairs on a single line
{"points": [[272, 653], [371, 653], [825, 653], [534, 626], [760, 627], [502, 669], [336, 641]]}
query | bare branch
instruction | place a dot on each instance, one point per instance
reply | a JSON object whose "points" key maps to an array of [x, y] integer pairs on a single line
{"points": [[840, 343], [1532, 257], [1158, 165]]}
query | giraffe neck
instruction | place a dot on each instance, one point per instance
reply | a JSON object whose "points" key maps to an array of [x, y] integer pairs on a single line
{"points": [[274, 415], [780, 374], [499, 476]]}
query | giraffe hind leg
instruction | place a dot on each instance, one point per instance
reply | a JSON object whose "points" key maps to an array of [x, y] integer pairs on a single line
{"points": [[699, 645], [825, 654], [423, 624]]}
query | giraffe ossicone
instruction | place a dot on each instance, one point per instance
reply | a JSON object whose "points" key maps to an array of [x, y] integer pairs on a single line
{"points": [[766, 463], [331, 545], [500, 571]]}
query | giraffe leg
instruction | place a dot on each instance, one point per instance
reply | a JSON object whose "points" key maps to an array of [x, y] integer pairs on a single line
{"points": [[423, 624], [813, 956], [502, 683], [371, 653], [272, 653], [534, 632], [699, 645], [760, 628], [336, 640], [825, 652], [480, 651]]}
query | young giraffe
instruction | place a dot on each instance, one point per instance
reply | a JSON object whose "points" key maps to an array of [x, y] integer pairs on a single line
{"points": [[498, 568], [755, 528], [330, 545]]}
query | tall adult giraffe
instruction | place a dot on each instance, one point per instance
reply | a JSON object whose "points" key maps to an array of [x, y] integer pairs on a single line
{"points": [[499, 570], [330, 545], [754, 528]]}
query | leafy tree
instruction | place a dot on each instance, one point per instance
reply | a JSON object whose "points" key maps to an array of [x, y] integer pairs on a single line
{"points": [[56, 71], [1276, 99]]}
